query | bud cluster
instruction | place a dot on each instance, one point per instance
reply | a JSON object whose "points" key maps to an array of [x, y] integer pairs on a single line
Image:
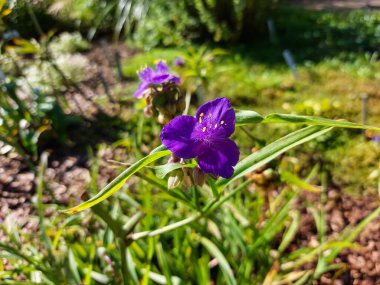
{"points": [[161, 92]]}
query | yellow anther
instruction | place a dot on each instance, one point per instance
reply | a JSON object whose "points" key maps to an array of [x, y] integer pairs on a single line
{"points": [[202, 114], [158, 60], [216, 125], [204, 129], [222, 122]]}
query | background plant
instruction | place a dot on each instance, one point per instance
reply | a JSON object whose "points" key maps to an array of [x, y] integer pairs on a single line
{"points": [[249, 230]]}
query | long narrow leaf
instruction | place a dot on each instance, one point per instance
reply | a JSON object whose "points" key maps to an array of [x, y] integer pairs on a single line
{"points": [[163, 170], [223, 263], [119, 181], [269, 152], [297, 119], [245, 117]]}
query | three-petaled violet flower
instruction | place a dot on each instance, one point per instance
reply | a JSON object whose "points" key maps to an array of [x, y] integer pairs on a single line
{"points": [[205, 137], [179, 62], [151, 78]]}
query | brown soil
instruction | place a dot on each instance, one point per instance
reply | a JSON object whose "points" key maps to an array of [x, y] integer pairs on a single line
{"points": [[362, 264]]}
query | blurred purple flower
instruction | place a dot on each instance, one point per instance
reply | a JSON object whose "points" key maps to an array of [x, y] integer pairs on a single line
{"points": [[205, 137], [150, 77], [375, 139], [179, 62]]}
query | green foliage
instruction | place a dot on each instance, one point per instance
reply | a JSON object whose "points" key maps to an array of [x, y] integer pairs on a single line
{"points": [[167, 23], [227, 231], [24, 120], [333, 32], [171, 23], [21, 14], [119, 16], [68, 43], [45, 75], [132, 65], [358, 154]]}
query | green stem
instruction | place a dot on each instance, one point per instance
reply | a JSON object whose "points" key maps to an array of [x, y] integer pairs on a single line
{"points": [[187, 102], [124, 267], [165, 229], [34, 20], [103, 214], [248, 133], [212, 206]]}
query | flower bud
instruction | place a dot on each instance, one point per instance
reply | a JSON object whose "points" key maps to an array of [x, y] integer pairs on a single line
{"points": [[199, 176], [175, 179], [174, 159], [181, 104], [148, 111], [162, 119], [171, 109]]}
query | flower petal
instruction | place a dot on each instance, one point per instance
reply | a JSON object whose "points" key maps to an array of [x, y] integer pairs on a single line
{"points": [[176, 136], [146, 74], [162, 68], [160, 78], [219, 158], [174, 79], [218, 113], [163, 78], [140, 90]]}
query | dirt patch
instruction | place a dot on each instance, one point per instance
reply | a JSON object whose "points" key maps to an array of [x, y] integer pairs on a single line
{"points": [[362, 265]]}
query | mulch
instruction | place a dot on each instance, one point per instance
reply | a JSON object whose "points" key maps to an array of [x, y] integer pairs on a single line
{"points": [[342, 210], [68, 176]]}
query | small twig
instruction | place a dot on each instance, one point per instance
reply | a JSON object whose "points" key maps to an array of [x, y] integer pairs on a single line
{"points": [[106, 52], [104, 82], [118, 65]]}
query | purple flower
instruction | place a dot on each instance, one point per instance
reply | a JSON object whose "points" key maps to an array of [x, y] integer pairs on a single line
{"points": [[150, 77], [375, 139], [205, 137], [179, 62]]}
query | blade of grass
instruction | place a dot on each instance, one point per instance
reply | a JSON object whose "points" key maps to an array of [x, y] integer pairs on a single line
{"points": [[223, 263], [271, 151], [245, 117], [118, 182]]}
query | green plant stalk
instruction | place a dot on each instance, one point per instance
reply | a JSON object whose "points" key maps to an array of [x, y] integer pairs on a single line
{"points": [[30, 260], [124, 266], [39, 205], [34, 19], [212, 206], [113, 224], [119, 181], [165, 229]]}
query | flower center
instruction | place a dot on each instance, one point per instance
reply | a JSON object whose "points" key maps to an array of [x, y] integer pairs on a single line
{"points": [[207, 127]]}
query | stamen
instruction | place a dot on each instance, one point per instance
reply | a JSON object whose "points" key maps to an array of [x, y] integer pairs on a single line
{"points": [[216, 125], [204, 129], [222, 122], [200, 117]]}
